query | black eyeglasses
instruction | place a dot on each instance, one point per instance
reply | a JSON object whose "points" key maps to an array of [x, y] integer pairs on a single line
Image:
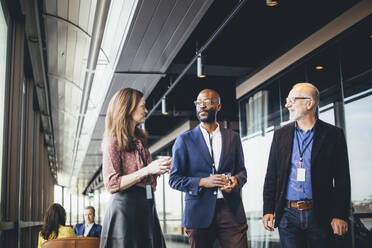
{"points": [[292, 99], [206, 102]]}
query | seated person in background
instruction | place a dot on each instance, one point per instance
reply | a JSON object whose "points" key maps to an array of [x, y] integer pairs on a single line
{"points": [[54, 225], [89, 228]]}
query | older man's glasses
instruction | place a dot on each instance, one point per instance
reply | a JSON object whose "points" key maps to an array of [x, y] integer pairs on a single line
{"points": [[292, 99], [206, 102]]}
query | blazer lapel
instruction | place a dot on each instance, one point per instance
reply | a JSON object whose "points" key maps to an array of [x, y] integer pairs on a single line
{"points": [[200, 143], [82, 229], [287, 149], [91, 230], [224, 144], [319, 136]]}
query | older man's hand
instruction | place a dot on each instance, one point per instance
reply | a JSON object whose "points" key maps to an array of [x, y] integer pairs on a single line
{"points": [[339, 226], [268, 221]]}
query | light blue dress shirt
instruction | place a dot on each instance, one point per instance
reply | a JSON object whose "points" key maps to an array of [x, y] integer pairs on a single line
{"points": [[300, 190]]}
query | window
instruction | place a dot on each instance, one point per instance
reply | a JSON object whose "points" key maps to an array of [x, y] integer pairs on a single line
{"points": [[3, 63]]}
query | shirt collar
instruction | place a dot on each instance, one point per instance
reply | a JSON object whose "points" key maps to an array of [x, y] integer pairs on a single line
{"points": [[89, 225], [205, 132], [302, 131]]}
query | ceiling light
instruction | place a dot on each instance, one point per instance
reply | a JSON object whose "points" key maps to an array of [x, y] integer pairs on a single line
{"points": [[164, 106], [319, 67], [271, 3], [199, 66]]}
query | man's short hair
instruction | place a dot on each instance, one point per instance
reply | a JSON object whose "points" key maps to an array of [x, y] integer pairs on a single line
{"points": [[91, 208]]}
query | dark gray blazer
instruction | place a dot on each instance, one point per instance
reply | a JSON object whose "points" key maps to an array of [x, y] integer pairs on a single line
{"points": [[330, 176]]}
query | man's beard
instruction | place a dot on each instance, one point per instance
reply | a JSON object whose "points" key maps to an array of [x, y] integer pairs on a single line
{"points": [[210, 118], [295, 115]]}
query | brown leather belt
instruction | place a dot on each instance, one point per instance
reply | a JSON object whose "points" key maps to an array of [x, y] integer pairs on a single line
{"points": [[300, 205]]}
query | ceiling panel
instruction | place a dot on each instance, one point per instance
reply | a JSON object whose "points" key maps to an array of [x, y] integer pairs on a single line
{"points": [[70, 53], [62, 43], [84, 14], [50, 7], [73, 11], [62, 8]]}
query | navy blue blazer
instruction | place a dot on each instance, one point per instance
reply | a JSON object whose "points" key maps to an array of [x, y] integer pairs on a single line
{"points": [[95, 231], [192, 161]]}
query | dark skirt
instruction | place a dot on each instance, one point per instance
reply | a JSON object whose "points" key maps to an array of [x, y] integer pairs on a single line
{"points": [[131, 221]]}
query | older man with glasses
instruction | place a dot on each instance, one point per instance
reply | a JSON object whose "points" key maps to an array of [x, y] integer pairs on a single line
{"points": [[208, 165], [307, 184]]}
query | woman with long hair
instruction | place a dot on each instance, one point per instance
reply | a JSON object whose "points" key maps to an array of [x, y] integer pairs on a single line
{"points": [[54, 225], [130, 175]]}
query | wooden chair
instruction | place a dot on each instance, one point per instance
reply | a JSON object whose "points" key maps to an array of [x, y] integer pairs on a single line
{"points": [[76, 242]]}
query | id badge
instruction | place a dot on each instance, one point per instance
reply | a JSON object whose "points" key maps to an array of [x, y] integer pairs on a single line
{"points": [[148, 191], [301, 172]]}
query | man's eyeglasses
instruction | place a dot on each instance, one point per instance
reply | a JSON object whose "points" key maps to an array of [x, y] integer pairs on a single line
{"points": [[292, 99], [207, 102]]}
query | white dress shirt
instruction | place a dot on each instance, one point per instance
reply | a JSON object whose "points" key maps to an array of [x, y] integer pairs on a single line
{"points": [[87, 228], [217, 147]]}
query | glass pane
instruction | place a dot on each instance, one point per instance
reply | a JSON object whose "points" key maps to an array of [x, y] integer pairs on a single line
{"points": [[260, 111], [58, 194], [159, 196], [357, 74], [67, 205], [105, 200], [256, 153], [327, 114], [3, 60], [173, 209], [81, 208], [359, 137], [74, 211]]}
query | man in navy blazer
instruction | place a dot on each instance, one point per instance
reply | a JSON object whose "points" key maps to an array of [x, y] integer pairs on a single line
{"points": [[88, 228], [208, 164]]}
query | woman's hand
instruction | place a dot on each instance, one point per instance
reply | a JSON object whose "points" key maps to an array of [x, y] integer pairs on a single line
{"points": [[159, 166]]}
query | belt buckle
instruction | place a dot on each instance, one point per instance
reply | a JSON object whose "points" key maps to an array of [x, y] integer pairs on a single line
{"points": [[298, 205]]}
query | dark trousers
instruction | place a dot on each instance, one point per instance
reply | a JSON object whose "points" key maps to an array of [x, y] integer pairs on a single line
{"points": [[300, 229], [224, 227]]}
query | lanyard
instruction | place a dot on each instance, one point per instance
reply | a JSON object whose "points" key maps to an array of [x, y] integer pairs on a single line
{"points": [[212, 154], [143, 161], [299, 149]]}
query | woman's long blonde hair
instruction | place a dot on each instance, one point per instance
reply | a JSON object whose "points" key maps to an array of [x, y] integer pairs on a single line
{"points": [[119, 121]]}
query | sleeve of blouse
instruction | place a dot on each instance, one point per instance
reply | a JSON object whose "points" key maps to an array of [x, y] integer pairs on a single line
{"points": [[111, 167], [149, 160]]}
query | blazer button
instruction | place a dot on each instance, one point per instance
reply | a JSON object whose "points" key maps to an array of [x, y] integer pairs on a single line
{"points": [[190, 192], [215, 192]]}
